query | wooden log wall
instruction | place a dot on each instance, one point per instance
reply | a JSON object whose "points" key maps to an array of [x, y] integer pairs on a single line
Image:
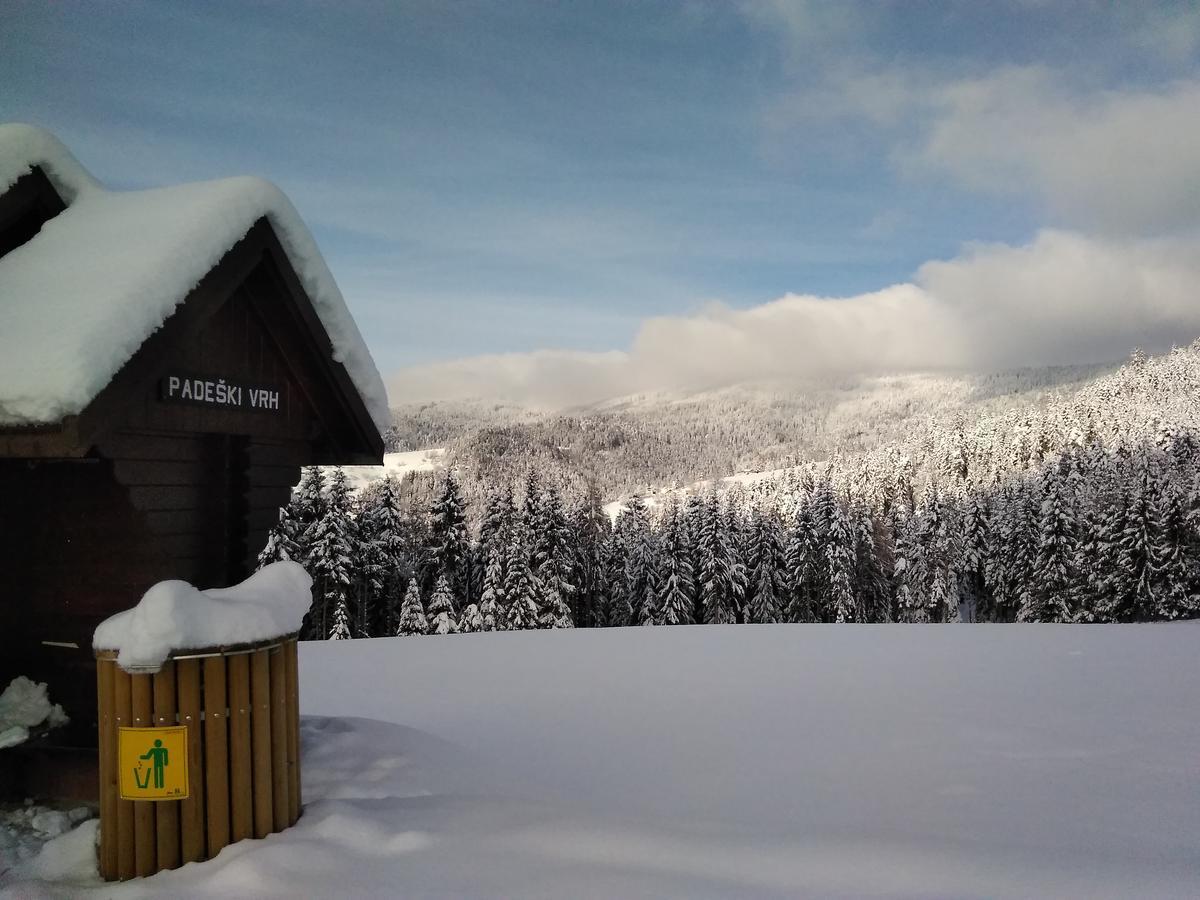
{"points": [[241, 710]]}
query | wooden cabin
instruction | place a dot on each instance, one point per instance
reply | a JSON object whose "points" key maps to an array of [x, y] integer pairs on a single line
{"points": [[174, 464]]}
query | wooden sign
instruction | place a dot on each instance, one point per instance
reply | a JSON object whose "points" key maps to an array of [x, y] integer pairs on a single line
{"points": [[153, 763], [222, 393]]}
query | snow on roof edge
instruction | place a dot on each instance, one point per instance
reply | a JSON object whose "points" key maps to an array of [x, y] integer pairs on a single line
{"points": [[23, 147]]}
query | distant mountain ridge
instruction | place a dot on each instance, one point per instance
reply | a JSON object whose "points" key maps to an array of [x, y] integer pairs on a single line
{"points": [[643, 442]]}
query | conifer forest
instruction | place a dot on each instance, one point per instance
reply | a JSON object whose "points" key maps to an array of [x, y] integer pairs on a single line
{"points": [[1085, 508]]}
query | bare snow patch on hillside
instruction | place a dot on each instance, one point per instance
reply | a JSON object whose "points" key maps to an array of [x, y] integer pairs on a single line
{"points": [[395, 465]]}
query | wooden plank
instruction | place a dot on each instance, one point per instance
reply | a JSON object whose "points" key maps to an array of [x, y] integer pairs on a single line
{"points": [[284, 454], [174, 521], [274, 476], [267, 496], [260, 726], [166, 812], [279, 772], [241, 791], [145, 857], [108, 768], [263, 519], [191, 810], [150, 498], [123, 704], [146, 446], [216, 755], [131, 472], [293, 730]]}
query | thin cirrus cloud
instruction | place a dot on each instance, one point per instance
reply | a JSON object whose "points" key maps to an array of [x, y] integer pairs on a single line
{"points": [[1062, 298]]}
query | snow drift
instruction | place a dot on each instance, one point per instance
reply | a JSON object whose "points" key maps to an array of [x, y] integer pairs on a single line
{"points": [[174, 615], [25, 705]]}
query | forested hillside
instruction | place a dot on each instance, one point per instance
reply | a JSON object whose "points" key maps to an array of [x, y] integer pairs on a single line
{"points": [[1080, 505], [649, 441]]}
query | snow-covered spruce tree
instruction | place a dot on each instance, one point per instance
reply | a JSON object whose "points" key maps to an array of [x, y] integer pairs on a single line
{"points": [[1193, 530], [442, 619], [641, 576], [494, 529], [678, 592], [339, 630], [620, 610], [493, 607], [281, 541], [974, 593], [650, 609], [471, 620], [551, 560], [718, 568], [1134, 600], [839, 558], [873, 556], [448, 543], [946, 555], [590, 527], [412, 612], [1114, 584], [736, 527], [553, 612], [384, 562], [331, 541], [520, 586], [1019, 515], [804, 561], [765, 558], [1171, 551], [1093, 497], [308, 501], [1052, 590]]}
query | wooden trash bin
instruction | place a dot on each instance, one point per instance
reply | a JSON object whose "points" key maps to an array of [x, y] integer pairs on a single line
{"points": [[197, 754]]}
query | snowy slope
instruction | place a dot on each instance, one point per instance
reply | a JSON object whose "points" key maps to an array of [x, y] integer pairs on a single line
{"points": [[783, 761], [396, 465]]}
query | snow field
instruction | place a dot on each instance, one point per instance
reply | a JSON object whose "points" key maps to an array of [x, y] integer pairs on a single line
{"points": [[748, 761], [986, 761]]}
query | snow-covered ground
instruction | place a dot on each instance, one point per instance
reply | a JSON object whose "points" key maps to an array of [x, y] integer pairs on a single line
{"points": [[772, 761], [395, 464]]}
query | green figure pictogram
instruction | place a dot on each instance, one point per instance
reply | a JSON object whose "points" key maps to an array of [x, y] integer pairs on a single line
{"points": [[157, 753]]}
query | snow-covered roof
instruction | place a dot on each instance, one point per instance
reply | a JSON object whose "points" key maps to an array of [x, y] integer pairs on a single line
{"points": [[79, 299]]}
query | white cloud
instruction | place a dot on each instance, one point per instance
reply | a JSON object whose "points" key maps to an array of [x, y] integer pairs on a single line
{"points": [[1117, 161], [1063, 298], [1067, 298], [1122, 161]]}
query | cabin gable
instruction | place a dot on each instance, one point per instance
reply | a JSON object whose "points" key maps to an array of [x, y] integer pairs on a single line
{"points": [[25, 207]]}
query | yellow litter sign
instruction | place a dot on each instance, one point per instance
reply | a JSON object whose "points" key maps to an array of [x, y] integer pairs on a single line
{"points": [[153, 763]]}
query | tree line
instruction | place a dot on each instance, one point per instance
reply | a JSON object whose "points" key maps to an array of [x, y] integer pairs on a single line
{"points": [[1088, 535]]}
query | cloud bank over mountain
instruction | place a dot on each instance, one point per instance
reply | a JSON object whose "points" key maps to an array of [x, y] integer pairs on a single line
{"points": [[1063, 298]]}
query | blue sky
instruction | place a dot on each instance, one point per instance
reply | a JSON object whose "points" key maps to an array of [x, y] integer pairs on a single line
{"points": [[508, 177]]}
